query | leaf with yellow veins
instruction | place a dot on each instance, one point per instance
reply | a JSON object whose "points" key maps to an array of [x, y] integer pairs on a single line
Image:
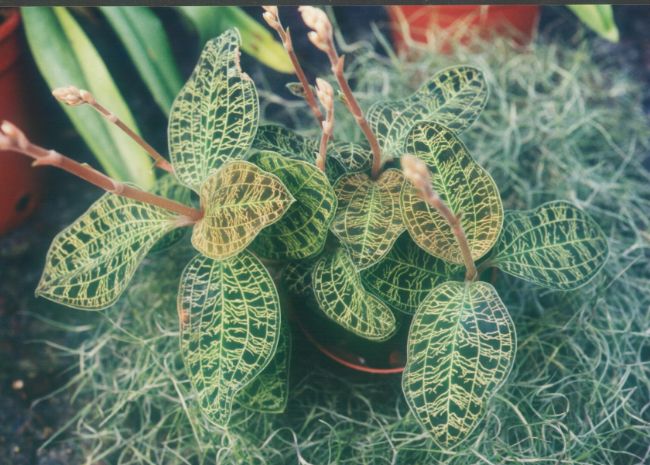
{"points": [[301, 233], [91, 262], [453, 97], [368, 219], [556, 245], [460, 350], [214, 117], [467, 189], [341, 296], [230, 328], [238, 201]]}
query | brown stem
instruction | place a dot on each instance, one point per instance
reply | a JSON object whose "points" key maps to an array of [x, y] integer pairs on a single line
{"points": [[11, 138], [325, 137], [159, 160], [287, 43], [416, 171], [337, 63], [325, 94]]}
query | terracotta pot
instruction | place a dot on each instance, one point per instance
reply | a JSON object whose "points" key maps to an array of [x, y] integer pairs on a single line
{"points": [[381, 358], [445, 21], [20, 184]]}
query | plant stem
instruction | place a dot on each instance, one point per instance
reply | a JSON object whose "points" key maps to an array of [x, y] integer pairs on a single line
{"points": [[11, 138], [273, 19], [73, 96], [337, 63], [326, 96], [416, 171]]}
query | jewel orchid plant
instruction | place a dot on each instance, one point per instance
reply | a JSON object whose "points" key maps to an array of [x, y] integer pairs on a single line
{"points": [[366, 230]]}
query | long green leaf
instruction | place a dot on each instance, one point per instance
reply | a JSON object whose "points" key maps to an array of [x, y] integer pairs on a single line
{"points": [[214, 117], [145, 40], [368, 219], [257, 41], [230, 325], [599, 18], [341, 296], [557, 245], [269, 391], [91, 262], [65, 56], [453, 97], [404, 277], [238, 201], [461, 346], [465, 186], [302, 231]]}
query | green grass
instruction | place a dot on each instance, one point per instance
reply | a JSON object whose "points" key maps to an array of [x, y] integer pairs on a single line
{"points": [[563, 122]]}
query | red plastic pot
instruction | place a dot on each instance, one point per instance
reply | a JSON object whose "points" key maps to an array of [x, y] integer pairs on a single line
{"points": [[451, 21], [20, 184]]}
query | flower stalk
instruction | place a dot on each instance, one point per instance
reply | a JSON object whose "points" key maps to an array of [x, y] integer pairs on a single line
{"points": [[272, 17], [325, 94], [321, 36], [13, 139], [73, 96], [416, 171]]}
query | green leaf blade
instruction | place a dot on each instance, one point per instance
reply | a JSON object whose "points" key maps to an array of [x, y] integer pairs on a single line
{"points": [[368, 219], [302, 231], [91, 262], [145, 40], [230, 324], [453, 97], [404, 277], [269, 391], [214, 117], [463, 185], [341, 296], [65, 56], [238, 201], [461, 347], [556, 245]]}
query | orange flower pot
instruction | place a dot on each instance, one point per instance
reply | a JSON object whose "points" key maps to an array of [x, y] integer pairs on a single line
{"points": [[20, 184], [444, 21]]}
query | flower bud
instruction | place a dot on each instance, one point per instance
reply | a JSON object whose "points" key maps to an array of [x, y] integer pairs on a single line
{"points": [[69, 95]]}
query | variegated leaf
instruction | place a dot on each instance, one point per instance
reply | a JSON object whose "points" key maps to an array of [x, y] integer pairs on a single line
{"points": [[296, 277], [230, 324], [557, 245], [453, 97], [91, 262], [461, 346], [465, 186], [269, 391], [214, 117], [302, 231], [404, 277], [342, 157], [341, 296], [238, 201], [167, 186], [368, 219]]}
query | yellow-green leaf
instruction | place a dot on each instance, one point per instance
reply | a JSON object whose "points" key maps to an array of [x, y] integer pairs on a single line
{"points": [[269, 391], [238, 201], [557, 245], [461, 346], [302, 231], [341, 296], [368, 219], [465, 186], [404, 277], [91, 262], [214, 117], [230, 324], [453, 97]]}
